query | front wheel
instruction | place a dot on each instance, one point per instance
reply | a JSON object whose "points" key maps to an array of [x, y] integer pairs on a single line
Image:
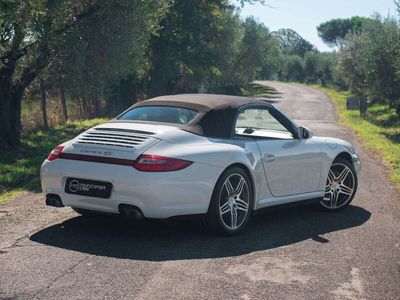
{"points": [[231, 202], [341, 185]]}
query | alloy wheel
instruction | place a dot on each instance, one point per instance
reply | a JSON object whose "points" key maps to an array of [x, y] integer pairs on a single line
{"points": [[234, 201], [339, 187]]}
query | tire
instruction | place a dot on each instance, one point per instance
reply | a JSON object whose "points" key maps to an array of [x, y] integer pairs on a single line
{"points": [[341, 186], [231, 203]]}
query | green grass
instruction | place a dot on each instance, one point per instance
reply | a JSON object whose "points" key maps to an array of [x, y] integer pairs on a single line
{"points": [[379, 131], [19, 168]]}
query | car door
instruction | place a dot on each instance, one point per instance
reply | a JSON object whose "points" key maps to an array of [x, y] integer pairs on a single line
{"points": [[292, 165]]}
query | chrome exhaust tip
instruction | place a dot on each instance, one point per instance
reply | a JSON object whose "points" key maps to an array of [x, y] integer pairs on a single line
{"points": [[54, 200], [130, 212]]}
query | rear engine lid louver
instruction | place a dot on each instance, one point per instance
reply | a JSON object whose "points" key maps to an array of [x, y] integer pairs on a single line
{"points": [[115, 137]]}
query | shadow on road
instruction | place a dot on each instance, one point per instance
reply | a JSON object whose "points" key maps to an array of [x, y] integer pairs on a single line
{"points": [[179, 239]]}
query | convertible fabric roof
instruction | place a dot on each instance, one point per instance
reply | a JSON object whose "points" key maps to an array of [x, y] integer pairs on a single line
{"points": [[201, 102], [216, 112]]}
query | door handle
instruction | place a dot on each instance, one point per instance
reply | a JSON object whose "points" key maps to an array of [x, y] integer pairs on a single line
{"points": [[269, 157]]}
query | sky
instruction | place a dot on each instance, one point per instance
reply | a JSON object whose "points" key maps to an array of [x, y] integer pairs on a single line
{"points": [[304, 16]]}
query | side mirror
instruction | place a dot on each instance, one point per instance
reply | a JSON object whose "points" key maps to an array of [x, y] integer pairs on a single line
{"points": [[305, 133]]}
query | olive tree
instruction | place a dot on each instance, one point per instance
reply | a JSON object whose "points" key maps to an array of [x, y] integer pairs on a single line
{"points": [[369, 61], [86, 40]]}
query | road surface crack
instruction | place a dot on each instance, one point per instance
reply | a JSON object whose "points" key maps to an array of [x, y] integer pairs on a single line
{"points": [[65, 272], [16, 242]]}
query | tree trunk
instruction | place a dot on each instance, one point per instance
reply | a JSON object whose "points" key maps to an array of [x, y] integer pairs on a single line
{"points": [[16, 99], [64, 105], [87, 107], [158, 81], [9, 114], [10, 99], [81, 108], [5, 101], [96, 108], [363, 106], [43, 104], [11, 93]]}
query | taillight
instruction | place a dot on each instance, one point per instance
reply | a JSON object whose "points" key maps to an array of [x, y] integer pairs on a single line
{"points": [[55, 153], [155, 163]]}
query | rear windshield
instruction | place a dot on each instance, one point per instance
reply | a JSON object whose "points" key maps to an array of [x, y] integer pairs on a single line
{"points": [[163, 114]]}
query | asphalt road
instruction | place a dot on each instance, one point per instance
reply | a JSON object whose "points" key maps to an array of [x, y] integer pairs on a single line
{"points": [[298, 253]]}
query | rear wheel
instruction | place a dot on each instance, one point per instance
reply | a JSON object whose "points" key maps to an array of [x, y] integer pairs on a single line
{"points": [[341, 185], [231, 203]]}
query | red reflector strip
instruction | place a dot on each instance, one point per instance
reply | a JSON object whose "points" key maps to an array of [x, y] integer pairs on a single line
{"points": [[99, 159]]}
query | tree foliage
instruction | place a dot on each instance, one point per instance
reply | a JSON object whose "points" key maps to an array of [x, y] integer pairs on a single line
{"points": [[294, 68], [204, 45], [369, 61], [105, 55], [255, 55], [120, 51], [292, 43], [334, 31], [187, 48], [83, 41]]}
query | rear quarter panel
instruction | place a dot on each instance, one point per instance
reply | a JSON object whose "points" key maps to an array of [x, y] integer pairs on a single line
{"points": [[220, 153]]}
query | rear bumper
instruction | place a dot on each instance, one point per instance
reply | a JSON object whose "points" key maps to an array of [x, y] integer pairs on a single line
{"points": [[156, 194]]}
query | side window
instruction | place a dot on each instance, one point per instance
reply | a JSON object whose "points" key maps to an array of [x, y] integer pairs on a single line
{"points": [[258, 122]]}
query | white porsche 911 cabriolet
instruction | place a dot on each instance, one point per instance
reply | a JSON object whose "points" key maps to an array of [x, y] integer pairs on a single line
{"points": [[219, 156]]}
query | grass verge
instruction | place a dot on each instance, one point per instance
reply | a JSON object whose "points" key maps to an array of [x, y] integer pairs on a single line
{"points": [[19, 168], [379, 131]]}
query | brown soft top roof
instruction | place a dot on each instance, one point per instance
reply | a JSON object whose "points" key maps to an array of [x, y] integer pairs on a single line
{"points": [[201, 102], [216, 112]]}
